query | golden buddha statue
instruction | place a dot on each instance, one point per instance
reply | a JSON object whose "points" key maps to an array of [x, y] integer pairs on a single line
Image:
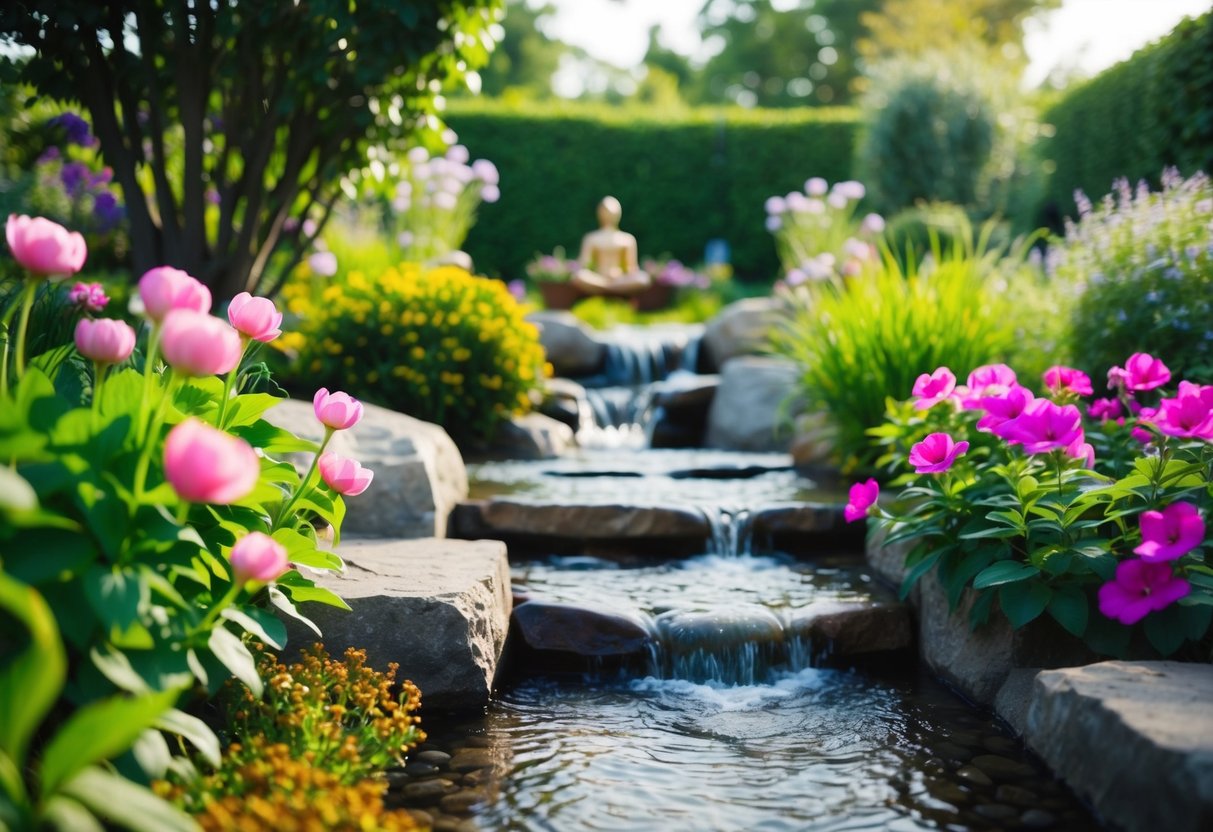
{"points": [[609, 257]]}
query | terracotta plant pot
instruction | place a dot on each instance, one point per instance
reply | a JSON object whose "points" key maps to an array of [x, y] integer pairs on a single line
{"points": [[559, 295], [657, 296]]}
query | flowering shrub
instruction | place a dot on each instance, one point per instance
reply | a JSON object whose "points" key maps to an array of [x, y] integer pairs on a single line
{"points": [[146, 522], [437, 343], [674, 274], [1090, 511], [1141, 264], [818, 233], [552, 268]]}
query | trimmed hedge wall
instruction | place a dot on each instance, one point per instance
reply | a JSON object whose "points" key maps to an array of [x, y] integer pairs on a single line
{"points": [[683, 178], [1142, 115]]}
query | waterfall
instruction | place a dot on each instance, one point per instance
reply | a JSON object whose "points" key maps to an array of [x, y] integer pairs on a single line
{"points": [[732, 531]]}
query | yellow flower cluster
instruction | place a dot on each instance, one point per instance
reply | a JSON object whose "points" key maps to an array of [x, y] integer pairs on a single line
{"points": [[437, 343]]}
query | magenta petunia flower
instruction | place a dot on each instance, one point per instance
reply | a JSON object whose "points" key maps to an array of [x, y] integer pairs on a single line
{"points": [[862, 497], [1144, 372], [933, 388], [1004, 407], [1043, 426], [1105, 409], [936, 453], [1068, 380], [1081, 449], [1171, 533], [1189, 414], [1139, 589]]}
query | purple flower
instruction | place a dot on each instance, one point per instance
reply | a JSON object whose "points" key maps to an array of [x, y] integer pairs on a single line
{"points": [[75, 128], [51, 154], [1139, 589], [74, 176], [936, 453], [1171, 533], [517, 288], [107, 210], [862, 497]]}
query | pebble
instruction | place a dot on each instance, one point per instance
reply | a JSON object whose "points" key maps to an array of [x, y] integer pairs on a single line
{"points": [[470, 759], [934, 766], [423, 818], [996, 811], [476, 778], [478, 741], [1038, 819], [454, 825], [950, 751], [974, 775], [1016, 795], [1002, 768], [426, 792], [1000, 745], [435, 757], [461, 803], [420, 769], [950, 793]]}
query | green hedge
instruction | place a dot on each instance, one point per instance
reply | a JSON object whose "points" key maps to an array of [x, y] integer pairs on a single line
{"points": [[682, 179], [1152, 111]]}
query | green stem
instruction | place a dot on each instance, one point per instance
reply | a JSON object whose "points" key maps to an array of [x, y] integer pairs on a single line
{"points": [[149, 369], [303, 486], [228, 382], [98, 378], [5, 323], [224, 603], [149, 442], [27, 303]]}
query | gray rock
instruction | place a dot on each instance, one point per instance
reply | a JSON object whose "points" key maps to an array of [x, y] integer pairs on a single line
{"points": [[1011, 701], [685, 391], [854, 628], [1003, 768], [564, 400], [419, 473], [440, 608], [797, 518], [813, 443], [741, 328], [1133, 738], [549, 625], [684, 631], [530, 436], [752, 405], [425, 793], [570, 345], [972, 774], [438, 758], [490, 518]]}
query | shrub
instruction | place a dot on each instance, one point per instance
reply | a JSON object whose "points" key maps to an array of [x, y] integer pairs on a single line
{"points": [[1140, 266], [709, 169], [1156, 103], [435, 343], [861, 341]]}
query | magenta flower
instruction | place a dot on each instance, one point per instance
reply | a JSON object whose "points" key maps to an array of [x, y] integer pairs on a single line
{"points": [[1081, 449], [1189, 414], [258, 557], [338, 411], [862, 497], [1139, 589], [934, 388], [205, 465], [987, 381], [255, 318], [345, 476], [1043, 426], [1145, 417], [164, 289], [104, 341], [1067, 380], [90, 297], [1171, 533], [1003, 408], [1105, 409], [936, 453], [198, 344], [1142, 372], [45, 248]]}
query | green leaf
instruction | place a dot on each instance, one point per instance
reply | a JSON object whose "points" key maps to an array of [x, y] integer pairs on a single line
{"points": [[273, 439], [193, 729], [64, 813], [16, 494], [1004, 572], [32, 679], [919, 569], [283, 603], [231, 652], [39, 556], [1023, 602], [117, 595], [116, 667], [247, 408], [1069, 608], [152, 754], [303, 589], [126, 804], [259, 624], [99, 731], [1165, 629]]}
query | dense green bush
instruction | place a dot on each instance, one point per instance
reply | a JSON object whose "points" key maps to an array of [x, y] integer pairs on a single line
{"points": [[1147, 113], [1140, 266], [682, 180]]}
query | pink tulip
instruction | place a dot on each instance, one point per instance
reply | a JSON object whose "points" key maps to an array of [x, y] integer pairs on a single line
{"points": [[1068, 380], [1003, 408], [255, 318], [1043, 426], [45, 248], [338, 411], [1189, 415], [934, 388], [104, 341], [1143, 372], [198, 344], [90, 297], [1171, 533], [1139, 589], [936, 453], [862, 497], [205, 465], [345, 476], [164, 289], [258, 557]]}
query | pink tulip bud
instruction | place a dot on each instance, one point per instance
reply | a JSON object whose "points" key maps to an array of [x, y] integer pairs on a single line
{"points": [[164, 289], [104, 341], [255, 318], [45, 248], [345, 476], [205, 465], [199, 344], [90, 297], [258, 557], [338, 411]]}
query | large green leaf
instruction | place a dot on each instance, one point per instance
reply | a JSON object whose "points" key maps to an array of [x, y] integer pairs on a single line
{"points": [[259, 624], [1004, 572], [126, 804], [117, 595], [231, 652], [193, 729], [32, 679], [1069, 608], [99, 731], [1023, 602], [247, 409]]}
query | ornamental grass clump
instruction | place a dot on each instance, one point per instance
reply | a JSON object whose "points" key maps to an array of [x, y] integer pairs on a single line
{"points": [[436, 343], [1090, 508], [1140, 267]]}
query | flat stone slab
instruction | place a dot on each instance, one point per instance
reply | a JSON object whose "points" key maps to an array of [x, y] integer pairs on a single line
{"points": [[853, 628], [575, 628], [1133, 738], [440, 608]]}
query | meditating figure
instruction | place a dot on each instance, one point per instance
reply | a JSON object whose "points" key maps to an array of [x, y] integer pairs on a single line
{"points": [[611, 265]]}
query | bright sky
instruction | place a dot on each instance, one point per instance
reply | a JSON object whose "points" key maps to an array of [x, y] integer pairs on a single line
{"points": [[1088, 35]]}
